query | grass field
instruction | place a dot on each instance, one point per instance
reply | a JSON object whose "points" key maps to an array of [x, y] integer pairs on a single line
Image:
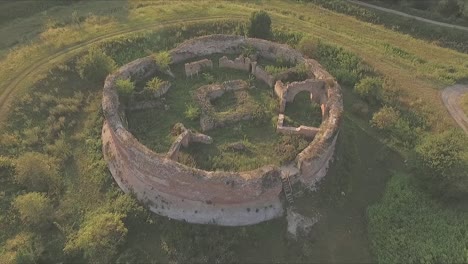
{"points": [[153, 126], [54, 111], [464, 103]]}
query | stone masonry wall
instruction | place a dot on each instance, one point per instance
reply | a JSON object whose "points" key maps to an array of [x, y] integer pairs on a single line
{"points": [[224, 198], [193, 68], [240, 63]]}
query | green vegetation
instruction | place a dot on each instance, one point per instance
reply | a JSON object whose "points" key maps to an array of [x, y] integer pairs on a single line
{"points": [[369, 89], [37, 172], [35, 209], [303, 112], [95, 66], [410, 226], [153, 127], [192, 112], [445, 37], [260, 25], [451, 11], [443, 163], [162, 59], [49, 60], [99, 237], [154, 85], [125, 87], [464, 103]]}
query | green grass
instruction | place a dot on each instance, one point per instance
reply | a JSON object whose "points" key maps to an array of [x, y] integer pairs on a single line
{"points": [[363, 164], [303, 112], [410, 226], [464, 103], [153, 126]]}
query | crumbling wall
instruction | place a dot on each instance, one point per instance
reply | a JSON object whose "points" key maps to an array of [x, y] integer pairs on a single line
{"points": [[184, 139], [262, 75], [210, 197], [305, 131], [314, 160], [240, 63], [209, 119], [177, 191], [193, 68]]}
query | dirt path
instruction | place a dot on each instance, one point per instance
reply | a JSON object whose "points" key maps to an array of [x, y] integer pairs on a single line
{"points": [[44, 64], [387, 10], [451, 98]]}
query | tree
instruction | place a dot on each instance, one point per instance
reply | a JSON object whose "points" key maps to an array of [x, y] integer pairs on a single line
{"points": [[442, 163], [23, 248], [386, 118], [37, 172], [369, 88], [95, 65], [260, 25], [34, 209], [99, 237]]}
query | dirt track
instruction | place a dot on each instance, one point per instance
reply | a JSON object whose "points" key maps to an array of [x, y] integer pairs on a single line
{"points": [[387, 10], [451, 98], [43, 64]]}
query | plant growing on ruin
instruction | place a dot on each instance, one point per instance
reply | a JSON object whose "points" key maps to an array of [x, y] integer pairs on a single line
{"points": [[154, 84], [274, 70], [208, 77], [248, 50], [260, 25], [125, 87], [162, 59], [192, 111]]}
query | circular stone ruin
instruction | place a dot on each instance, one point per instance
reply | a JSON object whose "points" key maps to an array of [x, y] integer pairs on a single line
{"points": [[177, 191]]}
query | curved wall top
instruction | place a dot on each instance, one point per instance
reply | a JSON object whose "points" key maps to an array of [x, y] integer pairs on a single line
{"points": [[180, 192]]}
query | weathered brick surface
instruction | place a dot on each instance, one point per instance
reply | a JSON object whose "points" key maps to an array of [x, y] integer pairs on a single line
{"points": [[224, 198]]}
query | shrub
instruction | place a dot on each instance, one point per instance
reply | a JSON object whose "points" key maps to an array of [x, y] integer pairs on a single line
{"points": [[209, 78], [260, 25], [308, 46], [386, 118], [442, 163], [347, 67], [99, 237], [25, 247], [125, 87], [248, 50], [95, 65], [192, 112], [37, 172], [154, 84], [34, 209], [274, 70], [163, 60], [369, 89]]}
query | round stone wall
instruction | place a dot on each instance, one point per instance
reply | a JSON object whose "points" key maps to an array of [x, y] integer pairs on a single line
{"points": [[174, 190]]}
